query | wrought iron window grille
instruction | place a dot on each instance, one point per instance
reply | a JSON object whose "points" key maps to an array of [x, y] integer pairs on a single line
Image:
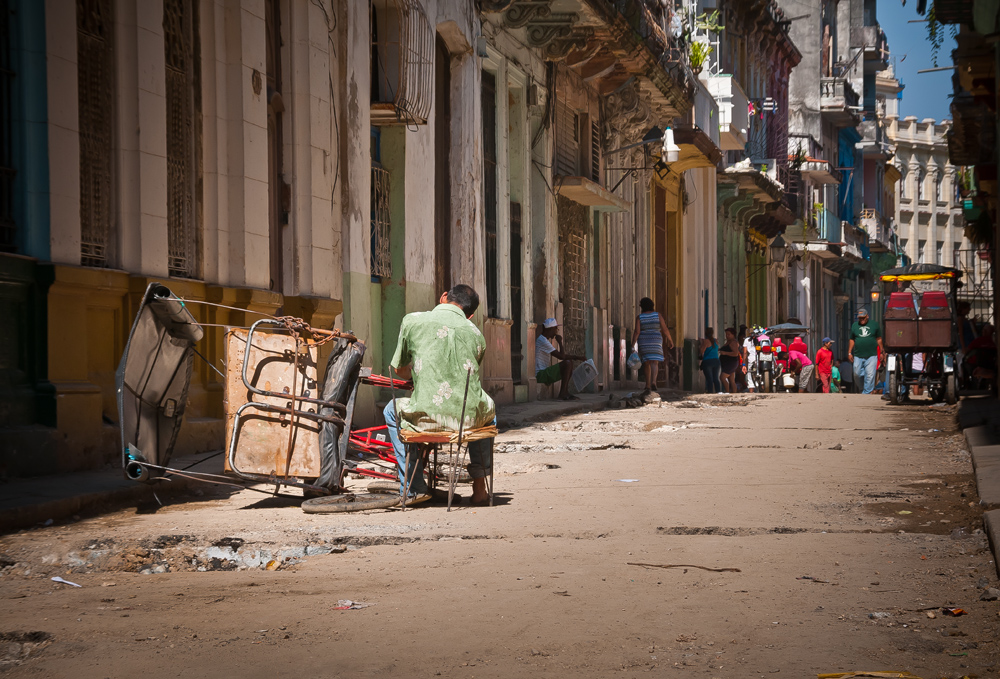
{"points": [[402, 43], [381, 255]]}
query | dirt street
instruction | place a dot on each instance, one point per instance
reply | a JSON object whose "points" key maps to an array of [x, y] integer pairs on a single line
{"points": [[804, 534]]}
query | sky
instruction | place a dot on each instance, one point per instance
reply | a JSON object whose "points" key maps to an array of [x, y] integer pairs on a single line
{"points": [[926, 95]]}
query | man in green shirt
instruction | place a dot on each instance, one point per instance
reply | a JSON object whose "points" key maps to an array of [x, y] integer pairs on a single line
{"points": [[865, 343], [437, 349]]}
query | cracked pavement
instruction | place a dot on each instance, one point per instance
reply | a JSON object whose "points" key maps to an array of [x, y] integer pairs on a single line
{"points": [[837, 527]]}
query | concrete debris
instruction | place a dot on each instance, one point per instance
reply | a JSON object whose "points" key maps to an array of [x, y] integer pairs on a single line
{"points": [[16, 647], [990, 594]]}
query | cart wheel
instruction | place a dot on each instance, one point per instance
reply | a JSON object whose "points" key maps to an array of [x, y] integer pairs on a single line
{"points": [[768, 386], [894, 387], [384, 487], [334, 504], [950, 389]]}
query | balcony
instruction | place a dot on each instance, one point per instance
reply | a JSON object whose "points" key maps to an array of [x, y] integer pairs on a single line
{"points": [[829, 226], [733, 115], [402, 44], [872, 40], [880, 234], [818, 171], [838, 102], [873, 139]]}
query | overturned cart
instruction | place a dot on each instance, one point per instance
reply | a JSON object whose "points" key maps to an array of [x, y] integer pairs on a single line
{"points": [[287, 424]]}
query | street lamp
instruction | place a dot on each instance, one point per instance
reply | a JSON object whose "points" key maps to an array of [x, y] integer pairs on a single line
{"points": [[671, 152], [777, 249], [876, 292]]}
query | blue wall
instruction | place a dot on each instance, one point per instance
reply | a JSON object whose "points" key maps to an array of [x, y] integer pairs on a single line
{"points": [[846, 159], [29, 122]]}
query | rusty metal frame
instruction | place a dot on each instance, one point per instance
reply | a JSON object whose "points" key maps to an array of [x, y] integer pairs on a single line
{"points": [[294, 326]]}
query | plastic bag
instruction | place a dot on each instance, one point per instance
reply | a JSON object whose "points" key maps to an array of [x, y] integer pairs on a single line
{"points": [[634, 361]]}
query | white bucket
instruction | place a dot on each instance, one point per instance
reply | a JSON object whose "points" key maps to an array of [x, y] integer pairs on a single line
{"points": [[788, 381]]}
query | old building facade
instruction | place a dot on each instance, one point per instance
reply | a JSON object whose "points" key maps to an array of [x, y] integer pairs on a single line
{"points": [[347, 161]]}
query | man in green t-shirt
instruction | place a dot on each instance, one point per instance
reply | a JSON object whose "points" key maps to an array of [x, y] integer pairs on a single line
{"points": [[863, 349]]}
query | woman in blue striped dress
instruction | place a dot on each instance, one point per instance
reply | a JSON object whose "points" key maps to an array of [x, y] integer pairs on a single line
{"points": [[650, 333]]}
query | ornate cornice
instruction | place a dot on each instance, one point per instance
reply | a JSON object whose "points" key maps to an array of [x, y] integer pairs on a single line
{"points": [[625, 115]]}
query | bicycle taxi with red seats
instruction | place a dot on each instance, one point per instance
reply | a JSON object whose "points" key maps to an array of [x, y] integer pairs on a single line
{"points": [[920, 317]]}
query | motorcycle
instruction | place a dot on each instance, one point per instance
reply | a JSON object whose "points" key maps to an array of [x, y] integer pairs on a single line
{"points": [[765, 367]]}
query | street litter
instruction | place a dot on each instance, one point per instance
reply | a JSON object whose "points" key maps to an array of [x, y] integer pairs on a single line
{"points": [[955, 612], [684, 565], [905, 511], [879, 615], [65, 582], [931, 431], [628, 480], [809, 577], [348, 605], [561, 592]]}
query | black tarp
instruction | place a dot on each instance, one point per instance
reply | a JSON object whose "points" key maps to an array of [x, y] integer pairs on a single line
{"points": [[919, 270], [340, 385]]}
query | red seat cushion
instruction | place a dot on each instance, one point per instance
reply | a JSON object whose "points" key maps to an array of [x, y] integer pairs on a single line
{"points": [[934, 299], [901, 300]]}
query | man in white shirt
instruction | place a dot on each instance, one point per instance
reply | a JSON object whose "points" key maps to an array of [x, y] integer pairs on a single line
{"points": [[750, 358], [547, 372]]}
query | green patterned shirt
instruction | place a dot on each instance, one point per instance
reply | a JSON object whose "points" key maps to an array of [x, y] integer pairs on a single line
{"points": [[442, 345]]}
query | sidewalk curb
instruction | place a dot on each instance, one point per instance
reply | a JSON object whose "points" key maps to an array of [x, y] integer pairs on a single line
{"points": [[991, 520], [552, 413], [978, 420], [31, 515]]}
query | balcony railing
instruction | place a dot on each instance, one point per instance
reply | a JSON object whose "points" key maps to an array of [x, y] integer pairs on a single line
{"points": [[880, 233], [829, 226], [838, 100], [837, 92]]}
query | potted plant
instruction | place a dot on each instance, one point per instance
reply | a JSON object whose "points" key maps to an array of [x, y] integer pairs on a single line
{"points": [[699, 53]]}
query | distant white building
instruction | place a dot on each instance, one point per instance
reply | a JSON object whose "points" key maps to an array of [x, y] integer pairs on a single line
{"points": [[928, 214]]}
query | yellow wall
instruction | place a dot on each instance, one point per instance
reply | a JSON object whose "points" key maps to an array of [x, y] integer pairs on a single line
{"points": [[90, 314]]}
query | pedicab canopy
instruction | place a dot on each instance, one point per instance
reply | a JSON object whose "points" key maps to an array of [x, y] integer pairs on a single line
{"points": [[920, 272], [787, 329]]}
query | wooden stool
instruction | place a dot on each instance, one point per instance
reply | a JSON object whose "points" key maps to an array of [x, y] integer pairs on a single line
{"points": [[457, 442]]}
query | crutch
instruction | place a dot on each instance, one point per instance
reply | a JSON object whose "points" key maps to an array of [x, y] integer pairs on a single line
{"points": [[459, 454]]}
